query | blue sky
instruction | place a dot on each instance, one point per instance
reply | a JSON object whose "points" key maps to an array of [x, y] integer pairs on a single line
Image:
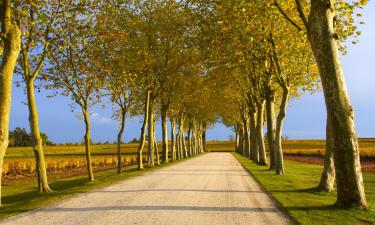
{"points": [[305, 118]]}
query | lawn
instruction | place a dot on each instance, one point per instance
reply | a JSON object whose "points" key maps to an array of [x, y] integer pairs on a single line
{"points": [[294, 191]]}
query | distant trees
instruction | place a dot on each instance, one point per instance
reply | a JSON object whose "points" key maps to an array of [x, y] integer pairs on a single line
{"points": [[19, 137]]}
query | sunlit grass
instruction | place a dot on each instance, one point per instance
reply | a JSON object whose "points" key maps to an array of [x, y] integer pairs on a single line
{"points": [[294, 191]]}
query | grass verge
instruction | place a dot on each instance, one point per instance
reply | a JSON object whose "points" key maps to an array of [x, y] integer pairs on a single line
{"points": [[295, 193], [22, 197]]}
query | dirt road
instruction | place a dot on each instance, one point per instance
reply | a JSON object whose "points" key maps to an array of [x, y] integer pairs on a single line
{"points": [[209, 189]]}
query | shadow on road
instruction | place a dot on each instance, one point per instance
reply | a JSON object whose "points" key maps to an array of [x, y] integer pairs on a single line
{"points": [[164, 208], [177, 190]]}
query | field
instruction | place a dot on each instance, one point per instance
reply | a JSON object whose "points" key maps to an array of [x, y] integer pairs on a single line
{"points": [[20, 160], [303, 147]]}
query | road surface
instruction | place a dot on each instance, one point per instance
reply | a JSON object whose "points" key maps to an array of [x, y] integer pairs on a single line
{"points": [[210, 189]]}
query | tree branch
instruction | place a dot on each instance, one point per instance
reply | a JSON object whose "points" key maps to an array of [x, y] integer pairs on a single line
{"points": [[286, 16], [302, 14]]}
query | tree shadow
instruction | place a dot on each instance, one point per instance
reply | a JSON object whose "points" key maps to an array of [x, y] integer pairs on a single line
{"points": [[163, 208], [308, 208], [197, 174], [312, 190], [177, 190]]}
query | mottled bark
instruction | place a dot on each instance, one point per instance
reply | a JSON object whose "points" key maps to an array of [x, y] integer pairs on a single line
{"points": [[259, 133], [327, 180], [271, 129], [11, 47], [240, 140], [178, 146], [156, 150], [246, 139], [201, 149], [194, 142], [323, 39], [204, 142], [253, 136], [237, 148], [41, 170], [173, 138], [143, 132], [186, 154], [87, 143], [279, 129]]}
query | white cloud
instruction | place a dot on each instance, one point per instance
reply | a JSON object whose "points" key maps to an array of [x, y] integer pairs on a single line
{"points": [[99, 119]]}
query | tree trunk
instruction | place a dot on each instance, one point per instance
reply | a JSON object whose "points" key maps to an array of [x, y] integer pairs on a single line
{"points": [[88, 144], [260, 138], [237, 148], [41, 170], [178, 156], [246, 141], [200, 142], [11, 49], [156, 145], [327, 180], [279, 129], [253, 136], [119, 139], [186, 154], [189, 141], [322, 35], [271, 129], [173, 138], [143, 132], [156, 152], [194, 142], [165, 135], [183, 142], [151, 158], [204, 142]]}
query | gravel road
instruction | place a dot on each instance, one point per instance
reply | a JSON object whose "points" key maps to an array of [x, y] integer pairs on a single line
{"points": [[210, 189]]}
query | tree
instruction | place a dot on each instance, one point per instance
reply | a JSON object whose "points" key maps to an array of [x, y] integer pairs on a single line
{"points": [[10, 48], [19, 137], [36, 20], [72, 71], [111, 55], [323, 29]]}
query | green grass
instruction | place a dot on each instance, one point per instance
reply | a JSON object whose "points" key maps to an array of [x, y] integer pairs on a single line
{"points": [[23, 196], [295, 193]]}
